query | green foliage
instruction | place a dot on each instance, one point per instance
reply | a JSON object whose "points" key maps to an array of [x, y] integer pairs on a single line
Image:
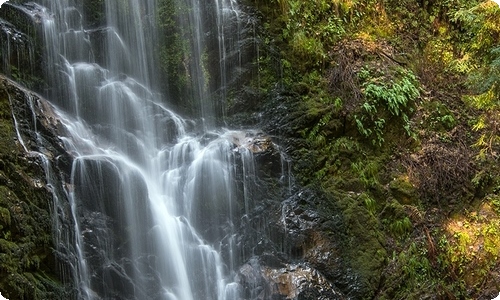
{"points": [[447, 120], [495, 202], [413, 275], [396, 96], [440, 117], [487, 122], [5, 219], [317, 137], [487, 82], [346, 144], [416, 266], [308, 47], [310, 28], [314, 88], [470, 248], [482, 23], [401, 227], [366, 171], [386, 100], [369, 203], [377, 101]]}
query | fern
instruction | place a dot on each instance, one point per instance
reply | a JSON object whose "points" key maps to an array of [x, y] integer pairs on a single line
{"points": [[393, 99], [487, 84]]}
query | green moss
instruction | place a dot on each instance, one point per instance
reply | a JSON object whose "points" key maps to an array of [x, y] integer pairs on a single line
{"points": [[403, 191], [27, 269], [4, 217], [363, 247]]}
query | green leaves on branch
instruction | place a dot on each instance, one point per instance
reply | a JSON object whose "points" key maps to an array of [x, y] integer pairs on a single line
{"points": [[395, 96], [311, 28], [480, 22]]}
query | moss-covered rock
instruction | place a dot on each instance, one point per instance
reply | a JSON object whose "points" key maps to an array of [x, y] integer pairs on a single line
{"points": [[365, 245], [403, 190], [28, 267]]}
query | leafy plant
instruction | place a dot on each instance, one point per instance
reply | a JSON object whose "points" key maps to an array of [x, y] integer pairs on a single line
{"points": [[386, 100], [316, 135], [470, 249], [482, 23], [369, 203], [487, 83], [310, 28], [401, 227], [440, 116], [366, 171]]}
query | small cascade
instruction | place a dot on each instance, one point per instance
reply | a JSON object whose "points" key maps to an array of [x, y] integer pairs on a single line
{"points": [[155, 200], [229, 42], [17, 55], [193, 25]]}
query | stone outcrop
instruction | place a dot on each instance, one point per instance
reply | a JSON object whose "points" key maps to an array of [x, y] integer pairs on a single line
{"points": [[298, 256], [286, 281], [255, 142]]}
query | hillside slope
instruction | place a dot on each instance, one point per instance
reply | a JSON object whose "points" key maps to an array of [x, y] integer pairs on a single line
{"points": [[390, 109]]}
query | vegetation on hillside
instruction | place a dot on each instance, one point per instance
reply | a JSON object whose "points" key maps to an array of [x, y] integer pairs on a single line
{"points": [[396, 116]]}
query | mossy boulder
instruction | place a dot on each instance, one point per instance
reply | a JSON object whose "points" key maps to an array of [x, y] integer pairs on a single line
{"points": [[403, 191], [364, 246]]}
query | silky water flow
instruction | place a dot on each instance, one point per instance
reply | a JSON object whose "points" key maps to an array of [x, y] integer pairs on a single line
{"points": [[153, 196]]}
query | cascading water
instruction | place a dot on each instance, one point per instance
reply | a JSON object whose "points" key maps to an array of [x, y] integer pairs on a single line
{"points": [[17, 52], [155, 199]]}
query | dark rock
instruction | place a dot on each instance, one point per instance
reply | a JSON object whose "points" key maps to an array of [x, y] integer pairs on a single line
{"points": [[299, 253], [254, 142], [29, 266], [291, 281]]}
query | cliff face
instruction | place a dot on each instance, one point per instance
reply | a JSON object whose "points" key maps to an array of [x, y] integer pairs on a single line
{"points": [[299, 257], [28, 267]]}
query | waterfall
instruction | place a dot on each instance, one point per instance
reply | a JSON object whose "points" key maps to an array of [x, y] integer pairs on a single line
{"points": [[155, 198], [17, 52]]}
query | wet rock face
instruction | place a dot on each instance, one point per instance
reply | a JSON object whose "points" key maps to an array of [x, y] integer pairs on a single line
{"points": [[16, 50], [298, 257], [266, 153], [285, 252], [20, 43], [316, 237], [28, 263], [300, 282], [37, 123], [257, 143], [288, 281]]}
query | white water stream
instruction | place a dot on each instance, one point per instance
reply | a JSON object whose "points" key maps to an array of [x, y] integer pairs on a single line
{"points": [[153, 196]]}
